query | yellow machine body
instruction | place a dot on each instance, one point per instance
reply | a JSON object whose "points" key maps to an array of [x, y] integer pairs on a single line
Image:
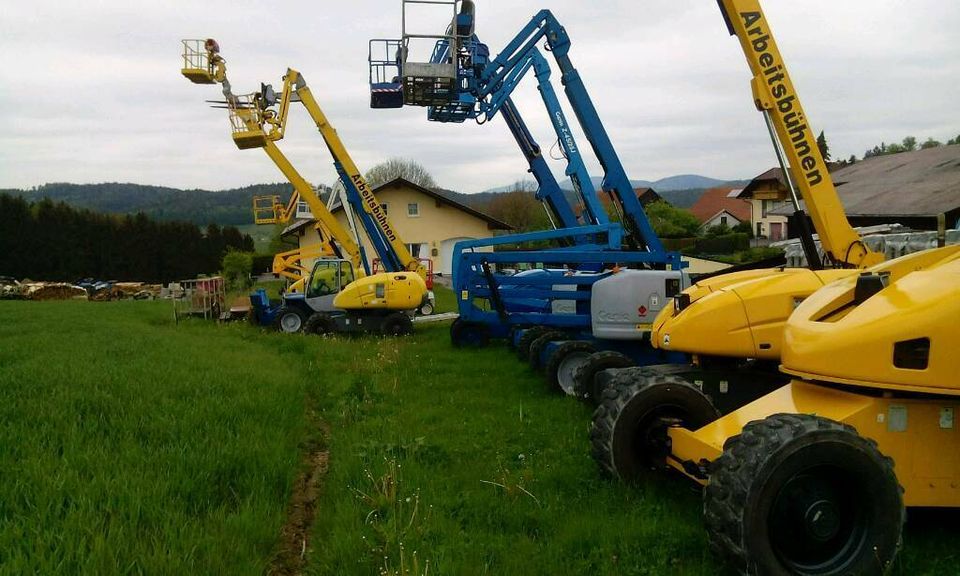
{"points": [[739, 315], [383, 291], [919, 434], [905, 337], [831, 340]]}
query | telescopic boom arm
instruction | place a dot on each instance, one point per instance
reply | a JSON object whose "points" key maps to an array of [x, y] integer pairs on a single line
{"points": [[386, 242], [794, 140]]}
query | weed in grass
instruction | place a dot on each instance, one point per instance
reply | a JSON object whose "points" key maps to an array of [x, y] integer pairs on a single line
{"points": [[513, 482], [394, 516], [418, 450]]}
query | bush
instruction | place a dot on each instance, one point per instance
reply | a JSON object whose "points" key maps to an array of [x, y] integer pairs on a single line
{"points": [[236, 269], [726, 244], [262, 263], [744, 228]]}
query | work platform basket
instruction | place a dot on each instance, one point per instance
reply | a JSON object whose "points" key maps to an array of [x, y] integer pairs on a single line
{"points": [[197, 66], [267, 209], [246, 121]]}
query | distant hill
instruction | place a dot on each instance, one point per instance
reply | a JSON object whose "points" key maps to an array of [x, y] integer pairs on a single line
{"points": [[224, 207], [670, 183]]}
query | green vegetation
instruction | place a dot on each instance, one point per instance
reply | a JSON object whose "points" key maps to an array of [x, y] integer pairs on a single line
{"points": [[132, 445], [129, 444], [908, 144], [236, 269], [262, 237], [202, 207], [393, 168], [48, 241], [670, 222]]}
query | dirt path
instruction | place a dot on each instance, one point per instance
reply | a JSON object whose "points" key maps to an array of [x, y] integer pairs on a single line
{"points": [[294, 544]]}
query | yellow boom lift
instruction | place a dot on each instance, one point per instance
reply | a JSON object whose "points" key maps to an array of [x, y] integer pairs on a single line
{"points": [[340, 294], [732, 324], [801, 480], [203, 64]]}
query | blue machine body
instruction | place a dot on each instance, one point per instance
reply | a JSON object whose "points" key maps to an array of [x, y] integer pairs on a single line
{"points": [[489, 294]]}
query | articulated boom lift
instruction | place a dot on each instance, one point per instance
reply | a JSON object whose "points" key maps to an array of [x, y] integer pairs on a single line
{"points": [[341, 294], [387, 92], [203, 64], [460, 82], [799, 473]]}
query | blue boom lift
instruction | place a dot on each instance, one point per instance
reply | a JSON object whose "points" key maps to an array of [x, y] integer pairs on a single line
{"points": [[605, 283]]}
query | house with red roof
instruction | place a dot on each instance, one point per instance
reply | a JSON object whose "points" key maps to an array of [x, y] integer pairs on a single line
{"points": [[720, 206]]}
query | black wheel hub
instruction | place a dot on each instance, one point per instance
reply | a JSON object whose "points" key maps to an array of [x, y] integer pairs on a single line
{"points": [[822, 521], [817, 520], [653, 443]]}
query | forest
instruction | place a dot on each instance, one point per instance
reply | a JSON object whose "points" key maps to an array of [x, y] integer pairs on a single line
{"points": [[45, 240], [224, 207]]}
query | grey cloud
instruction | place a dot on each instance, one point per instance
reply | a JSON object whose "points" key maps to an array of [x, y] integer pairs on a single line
{"points": [[91, 91]]}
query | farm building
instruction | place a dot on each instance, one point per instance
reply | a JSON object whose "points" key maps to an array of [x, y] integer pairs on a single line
{"points": [[429, 222], [909, 188]]}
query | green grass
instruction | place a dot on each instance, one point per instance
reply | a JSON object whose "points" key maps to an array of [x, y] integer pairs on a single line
{"points": [[261, 235], [446, 300], [130, 444]]}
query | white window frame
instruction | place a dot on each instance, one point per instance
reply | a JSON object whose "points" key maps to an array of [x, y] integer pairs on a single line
{"points": [[416, 210]]}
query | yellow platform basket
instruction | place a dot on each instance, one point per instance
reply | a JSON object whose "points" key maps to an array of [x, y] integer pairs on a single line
{"points": [[197, 67], [245, 122], [267, 209]]}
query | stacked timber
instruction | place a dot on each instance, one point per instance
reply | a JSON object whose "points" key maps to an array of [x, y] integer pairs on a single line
{"points": [[51, 291], [9, 289]]}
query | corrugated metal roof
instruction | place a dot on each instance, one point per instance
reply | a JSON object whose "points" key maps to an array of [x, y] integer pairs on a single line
{"points": [[925, 182], [921, 183]]}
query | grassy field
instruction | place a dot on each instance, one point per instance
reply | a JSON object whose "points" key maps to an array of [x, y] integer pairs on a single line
{"points": [[261, 235], [129, 444]]}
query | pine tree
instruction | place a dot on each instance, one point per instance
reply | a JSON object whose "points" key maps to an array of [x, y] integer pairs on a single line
{"points": [[823, 146]]}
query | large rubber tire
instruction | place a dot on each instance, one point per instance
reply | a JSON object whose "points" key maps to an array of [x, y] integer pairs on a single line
{"points": [[564, 362], [801, 494], [629, 431], [468, 334], [320, 323], [585, 385], [527, 338], [397, 324], [537, 346], [289, 320]]}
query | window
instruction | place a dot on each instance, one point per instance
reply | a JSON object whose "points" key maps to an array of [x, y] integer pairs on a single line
{"points": [[723, 220], [324, 279], [383, 206], [346, 274], [414, 249], [759, 229], [413, 209]]}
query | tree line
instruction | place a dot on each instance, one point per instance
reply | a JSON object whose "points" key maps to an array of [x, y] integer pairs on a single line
{"points": [[52, 241], [224, 207]]}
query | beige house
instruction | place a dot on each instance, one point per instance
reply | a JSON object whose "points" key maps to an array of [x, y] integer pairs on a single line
{"points": [[768, 196], [429, 223]]}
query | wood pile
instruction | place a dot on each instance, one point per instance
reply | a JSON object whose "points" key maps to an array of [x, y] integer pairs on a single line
{"points": [[51, 291], [9, 289]]}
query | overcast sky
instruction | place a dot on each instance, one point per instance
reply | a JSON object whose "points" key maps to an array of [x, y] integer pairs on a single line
{"points": [[90, 91]]}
